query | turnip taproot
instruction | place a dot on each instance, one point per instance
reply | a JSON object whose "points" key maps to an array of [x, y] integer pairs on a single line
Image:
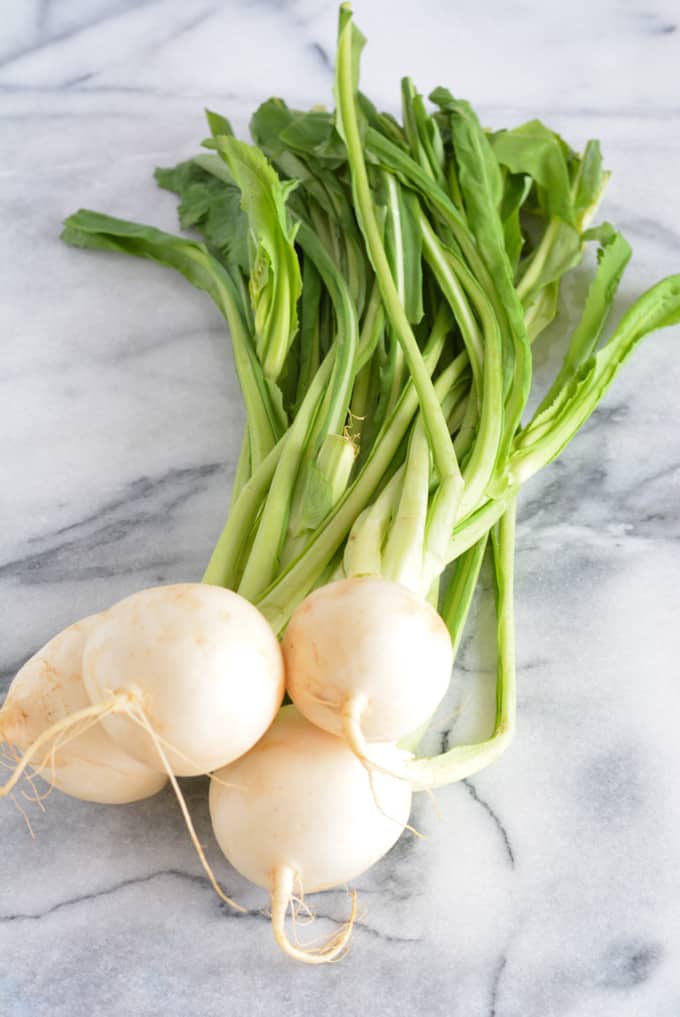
{"points": [[300, 812], [84, 761], [367, 658]]}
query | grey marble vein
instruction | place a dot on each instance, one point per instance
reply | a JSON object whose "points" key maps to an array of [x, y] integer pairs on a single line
{"points": [[98, 894], [495, 986], [44, 32], [145, 504], [493, 816]]}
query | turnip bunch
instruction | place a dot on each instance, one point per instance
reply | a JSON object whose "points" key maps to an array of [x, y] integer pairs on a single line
{"points": [[174, 680], [383, 282]]}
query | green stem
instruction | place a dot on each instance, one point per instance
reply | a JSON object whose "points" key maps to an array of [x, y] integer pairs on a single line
{"points": [[403, 558], [334, 409], [464, 760], [454, 608], [348, 124], [469, 530], [364, 548], [278, 602], [323, 411], [443, 268], [263, 560], [533, 270], [223, 565], [456, 603], [242, 473]]}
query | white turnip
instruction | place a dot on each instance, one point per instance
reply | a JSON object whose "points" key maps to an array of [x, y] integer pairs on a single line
{"points": [[299, 813], [367, 658], [47, 691], [198, 664]]}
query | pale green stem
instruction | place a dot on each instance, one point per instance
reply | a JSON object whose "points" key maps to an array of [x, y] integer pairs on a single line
{"points": [[464, 760]]}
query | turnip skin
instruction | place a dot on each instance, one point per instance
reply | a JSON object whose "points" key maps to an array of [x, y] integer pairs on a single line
{"points": [[311, 803], [199, 662], [371, 649], [48, 689], [300, 813]]}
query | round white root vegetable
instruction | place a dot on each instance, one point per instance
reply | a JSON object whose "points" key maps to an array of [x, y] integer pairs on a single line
{"points": [[195, 672], [299, 813], [46, 691], [367, 658]]}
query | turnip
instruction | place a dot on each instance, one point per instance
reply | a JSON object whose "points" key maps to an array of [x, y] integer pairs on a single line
{"points": [[298, 814], [368, 659], [47, 691], [198, 663]]}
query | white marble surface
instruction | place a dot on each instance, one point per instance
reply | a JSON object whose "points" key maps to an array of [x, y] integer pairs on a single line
{"points": [[548, 886]]}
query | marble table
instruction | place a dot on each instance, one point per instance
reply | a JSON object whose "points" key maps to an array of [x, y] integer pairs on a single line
{"points": [[548, 885]]}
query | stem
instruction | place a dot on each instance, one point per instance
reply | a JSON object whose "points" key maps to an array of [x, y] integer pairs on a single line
{"points": [[403, 557], [223, 565], [469, 530], [242, 474], [444, 455], [443, 269], [411, 549], [334, 409], [280, 600], [323, 411], [535, 267], [363, 550], [457, 601], [263, 559], [371, 328], [464, 760]]}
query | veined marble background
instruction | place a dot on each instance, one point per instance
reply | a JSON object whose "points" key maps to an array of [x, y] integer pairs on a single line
{"points": [[548, 885]]}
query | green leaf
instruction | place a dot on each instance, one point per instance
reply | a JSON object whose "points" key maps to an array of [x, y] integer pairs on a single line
{"points": [[554, 426], [325, 481], [212, 206], [275, 279], [422, 131], [560, 249], [515, 191], [219, 125], [481, 183], [591, 181], [613, 256], [473, 150], [314, 134], [383, 122], [540, 154], [533, 149], [302, 146], [267, 124], [403, 243], [541, 310]]}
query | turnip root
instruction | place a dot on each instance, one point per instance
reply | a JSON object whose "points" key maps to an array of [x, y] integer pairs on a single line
{"points": [[46, 691], [300, 813], [368, 659], [198, 664]]}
